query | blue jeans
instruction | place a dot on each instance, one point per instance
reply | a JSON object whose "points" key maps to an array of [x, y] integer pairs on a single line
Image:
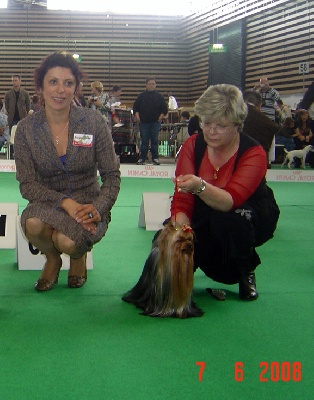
{"points": [[287, 142], [149, 132]]}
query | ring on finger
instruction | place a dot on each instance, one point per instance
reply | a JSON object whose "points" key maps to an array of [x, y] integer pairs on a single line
{"points": [[91, 215]]}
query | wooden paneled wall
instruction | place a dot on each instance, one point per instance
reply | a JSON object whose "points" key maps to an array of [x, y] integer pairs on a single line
{"points": [[115, 49], [278, 41], [202, 28], [125, 49]]}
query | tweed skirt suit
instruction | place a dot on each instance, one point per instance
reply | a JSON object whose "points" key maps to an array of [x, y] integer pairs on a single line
{"points": [[45, 180]]}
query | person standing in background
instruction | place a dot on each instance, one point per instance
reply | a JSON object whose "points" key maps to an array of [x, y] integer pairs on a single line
{"points": [[149, 109], [256, 124], [270, 97], [307, 103], [17, 102]]}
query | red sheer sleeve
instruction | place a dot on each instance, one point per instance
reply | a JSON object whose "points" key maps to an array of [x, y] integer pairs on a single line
{"points": [[250, 170], [241, 183]]}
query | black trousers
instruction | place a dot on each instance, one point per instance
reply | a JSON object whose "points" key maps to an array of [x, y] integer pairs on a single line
{"points": [[225, 244]]}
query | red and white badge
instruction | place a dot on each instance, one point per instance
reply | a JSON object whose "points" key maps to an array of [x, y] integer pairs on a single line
{"points": [[82, 140]]}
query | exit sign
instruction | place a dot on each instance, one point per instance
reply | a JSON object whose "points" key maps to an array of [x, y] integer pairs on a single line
{"points": [[217, 48]]}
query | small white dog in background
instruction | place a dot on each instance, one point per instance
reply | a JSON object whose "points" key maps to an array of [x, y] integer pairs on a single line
{"points": [[302, 153]]}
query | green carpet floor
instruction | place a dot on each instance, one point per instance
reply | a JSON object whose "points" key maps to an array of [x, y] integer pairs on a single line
{"points": [[88, 344]]}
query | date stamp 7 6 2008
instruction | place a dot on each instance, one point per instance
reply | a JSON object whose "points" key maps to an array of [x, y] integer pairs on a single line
{"points": [[269, 371]]}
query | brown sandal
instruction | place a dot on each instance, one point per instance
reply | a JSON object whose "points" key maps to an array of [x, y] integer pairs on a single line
{"points": [[77, 281], [43, 285]]}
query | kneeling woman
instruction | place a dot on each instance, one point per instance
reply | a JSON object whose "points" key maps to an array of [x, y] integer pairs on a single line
{"points": [[222, 192], [58, 151]]}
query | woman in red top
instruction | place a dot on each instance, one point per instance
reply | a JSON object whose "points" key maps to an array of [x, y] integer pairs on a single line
{"points": [[222, 192]]}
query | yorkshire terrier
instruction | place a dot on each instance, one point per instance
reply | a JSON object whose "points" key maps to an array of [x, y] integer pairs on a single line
{"points": [[165, 286]]}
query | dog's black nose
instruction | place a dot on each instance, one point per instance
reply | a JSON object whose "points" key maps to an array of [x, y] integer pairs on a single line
{"points": [[187, 247]]}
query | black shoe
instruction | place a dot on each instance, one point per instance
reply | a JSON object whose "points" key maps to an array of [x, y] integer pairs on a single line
{"points": [[156, 161], [247, 287]]}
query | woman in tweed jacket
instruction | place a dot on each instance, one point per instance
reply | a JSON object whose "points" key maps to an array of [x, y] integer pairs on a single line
{"points": [[58, 152]]}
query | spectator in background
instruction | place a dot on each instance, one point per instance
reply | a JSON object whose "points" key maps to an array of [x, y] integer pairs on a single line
{"points": [[79, 98], [299, 105], [115, 102], [17, 102], [99, 100], [116, 94], [257, 124], [286, 134], [149, 110], [183, 133], [284, 111], [270, 97], [194, 125], [185, 116], [308, 104], [4, 128], [35, 104], [303, 133]]}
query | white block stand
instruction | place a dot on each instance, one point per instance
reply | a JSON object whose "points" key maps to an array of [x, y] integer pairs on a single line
{"points": [[10, 210], [155, 208], [27, 261]]}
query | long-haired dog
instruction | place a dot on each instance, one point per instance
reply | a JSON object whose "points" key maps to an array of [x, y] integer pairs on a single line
{"points": [[302, 153], [165, 286]]}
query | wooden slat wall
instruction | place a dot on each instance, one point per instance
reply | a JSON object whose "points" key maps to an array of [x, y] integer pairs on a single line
{"points": [[277, 42], [197, 28], [115, 49], [125, 49]]}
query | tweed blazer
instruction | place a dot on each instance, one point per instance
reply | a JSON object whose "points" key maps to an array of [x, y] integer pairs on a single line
{"points": [[45, 180], [23, 104]]}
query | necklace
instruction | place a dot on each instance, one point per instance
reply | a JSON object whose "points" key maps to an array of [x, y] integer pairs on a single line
{"points": [[57, 138], [216, 172]]}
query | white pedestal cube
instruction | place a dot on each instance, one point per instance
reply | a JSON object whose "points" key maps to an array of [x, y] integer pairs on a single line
{"points": [[8, 214], [155, 208]]}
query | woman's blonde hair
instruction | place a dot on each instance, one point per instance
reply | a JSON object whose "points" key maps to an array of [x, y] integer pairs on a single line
{"points": [[97, 85], [222, 102]]}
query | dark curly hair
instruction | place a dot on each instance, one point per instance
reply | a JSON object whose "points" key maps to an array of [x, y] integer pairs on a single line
{"points": [[58, 59]]}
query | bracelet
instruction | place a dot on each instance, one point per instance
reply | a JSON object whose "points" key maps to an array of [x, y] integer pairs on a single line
{"points": [[201, 188]]}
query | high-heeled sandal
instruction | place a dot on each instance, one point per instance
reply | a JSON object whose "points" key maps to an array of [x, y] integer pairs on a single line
{"points": [[43, 285], [77, 281]]}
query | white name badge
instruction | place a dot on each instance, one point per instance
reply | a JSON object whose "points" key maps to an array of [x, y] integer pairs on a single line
{"points": [[82, 140]]}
